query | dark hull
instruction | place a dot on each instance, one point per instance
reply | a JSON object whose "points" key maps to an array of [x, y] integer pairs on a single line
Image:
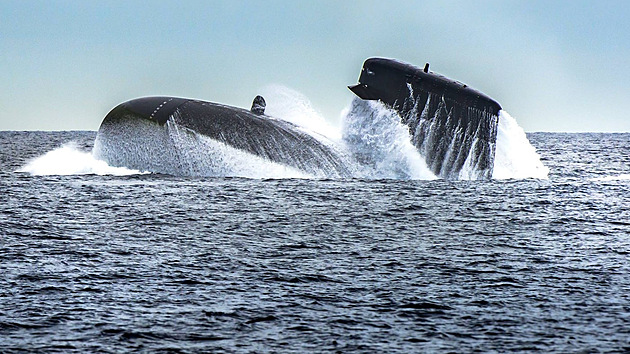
{"points": [[140, 122], [451, 124]]}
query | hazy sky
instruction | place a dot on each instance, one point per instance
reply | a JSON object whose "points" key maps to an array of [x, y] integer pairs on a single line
{"points": [[553, 65]]}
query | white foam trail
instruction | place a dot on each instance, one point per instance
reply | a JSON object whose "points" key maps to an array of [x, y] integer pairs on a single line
{"points": [[70, 160], [621, 177], [290, 105], [515, 157], [381, 144]]}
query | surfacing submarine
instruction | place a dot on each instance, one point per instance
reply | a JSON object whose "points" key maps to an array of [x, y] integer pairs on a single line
{"points": [[162, 134], [453, 127]]}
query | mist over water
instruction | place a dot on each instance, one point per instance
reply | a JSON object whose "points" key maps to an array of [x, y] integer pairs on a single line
{"points": [[370, 137]]}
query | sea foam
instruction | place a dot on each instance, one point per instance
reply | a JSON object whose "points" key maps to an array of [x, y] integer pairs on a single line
{"points": [[70, 160]]}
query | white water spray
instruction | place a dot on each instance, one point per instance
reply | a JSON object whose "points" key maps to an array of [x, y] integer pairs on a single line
{"points": [[372, 135], [289, 105], [176, 150], [515, 156], [381, 144], [70, 160]]}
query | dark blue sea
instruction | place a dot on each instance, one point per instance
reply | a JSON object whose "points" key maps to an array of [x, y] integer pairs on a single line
{"points": [[160, 263]]}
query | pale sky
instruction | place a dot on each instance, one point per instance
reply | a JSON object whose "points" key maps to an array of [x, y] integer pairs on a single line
{"points": [[553, 65]]}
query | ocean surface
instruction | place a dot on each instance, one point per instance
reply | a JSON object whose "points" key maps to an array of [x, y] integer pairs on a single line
{"points": [[124, 262]]}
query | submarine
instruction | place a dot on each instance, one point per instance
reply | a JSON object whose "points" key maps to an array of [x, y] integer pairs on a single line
{"points": [[453, 126], [156, 134]]}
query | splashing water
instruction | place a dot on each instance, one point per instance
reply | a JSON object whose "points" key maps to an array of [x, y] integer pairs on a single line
{"points": [[202, 156], [70, 160], [287, 104], [456, 141], [176, 150], [378, 145], [515, 156]]}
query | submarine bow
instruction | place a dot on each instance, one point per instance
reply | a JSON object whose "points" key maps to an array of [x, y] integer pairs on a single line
{"points": [[452, 125], [174, 135]]}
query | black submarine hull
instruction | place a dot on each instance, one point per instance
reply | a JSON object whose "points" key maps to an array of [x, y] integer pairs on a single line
{"points": [[452, 125], [139, 134]]}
